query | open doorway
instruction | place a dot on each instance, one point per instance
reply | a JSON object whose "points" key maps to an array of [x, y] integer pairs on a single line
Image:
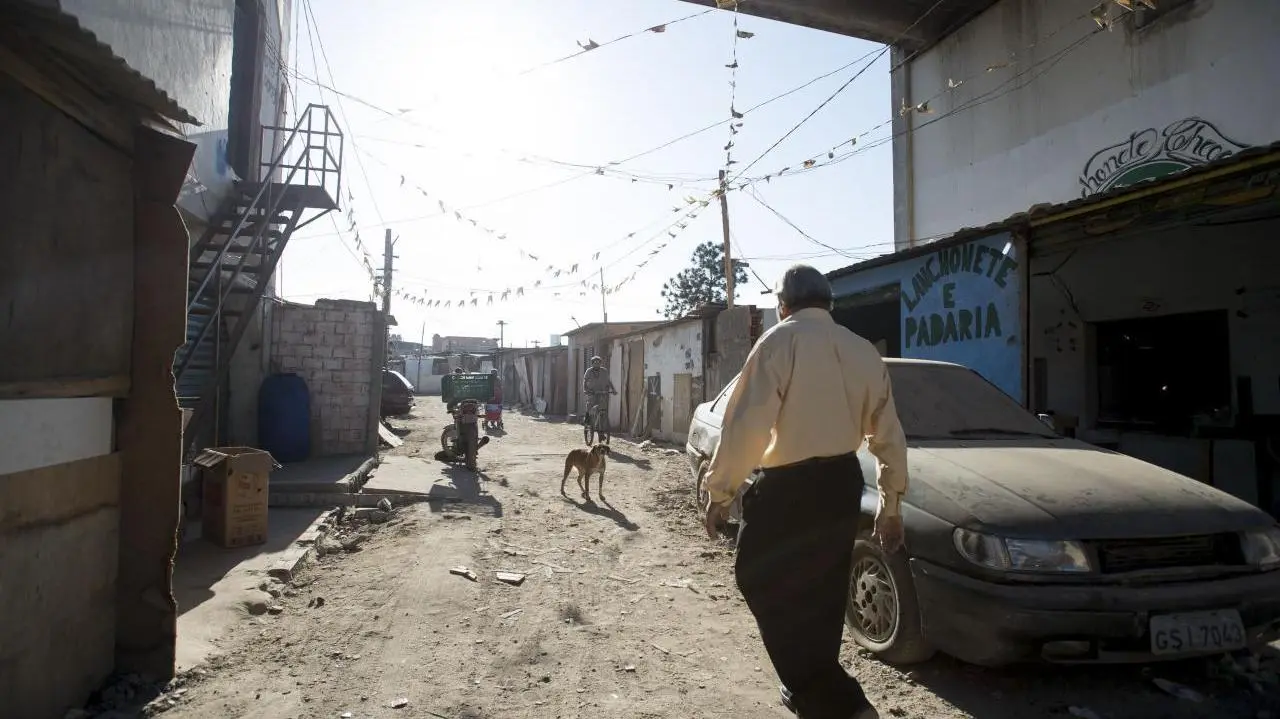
{"points": [[874, 314], [1164, 373]]}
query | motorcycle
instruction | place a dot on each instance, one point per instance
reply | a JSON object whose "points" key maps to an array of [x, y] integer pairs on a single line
{"points": [[461, 441]]}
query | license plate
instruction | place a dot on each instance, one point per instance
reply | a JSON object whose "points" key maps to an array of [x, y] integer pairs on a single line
{"points": [[1197, 632]]}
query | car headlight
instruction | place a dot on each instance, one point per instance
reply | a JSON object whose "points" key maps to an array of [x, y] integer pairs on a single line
{"points": [[1021, 555], [1261, 547]]}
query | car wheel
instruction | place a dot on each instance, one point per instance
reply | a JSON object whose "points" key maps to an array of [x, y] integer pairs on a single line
{"points": [[883, 612], [700, 494]]}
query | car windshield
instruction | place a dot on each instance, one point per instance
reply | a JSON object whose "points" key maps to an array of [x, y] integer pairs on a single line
{"points": [[949, 402]]}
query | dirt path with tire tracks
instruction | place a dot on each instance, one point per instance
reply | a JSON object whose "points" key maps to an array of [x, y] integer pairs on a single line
{"points": [[627, 610]]}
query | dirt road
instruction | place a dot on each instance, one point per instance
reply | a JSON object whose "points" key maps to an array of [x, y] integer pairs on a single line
{"points": [[626, 611]]}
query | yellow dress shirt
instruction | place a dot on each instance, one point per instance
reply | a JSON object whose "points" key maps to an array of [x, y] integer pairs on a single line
{"points": [[810, 388]]}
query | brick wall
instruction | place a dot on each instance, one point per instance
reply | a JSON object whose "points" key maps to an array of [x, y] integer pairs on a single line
{"points": [[331, 346]]}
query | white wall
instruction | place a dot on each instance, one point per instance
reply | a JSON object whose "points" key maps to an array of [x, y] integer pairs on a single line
{"points": [[185, 47], [37, 433], [1031, 142], [668, 352], [1189, 269]]}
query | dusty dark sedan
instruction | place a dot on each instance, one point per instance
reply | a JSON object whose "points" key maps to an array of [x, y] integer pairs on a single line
{"points": [[397, 394], [1023, 545]]}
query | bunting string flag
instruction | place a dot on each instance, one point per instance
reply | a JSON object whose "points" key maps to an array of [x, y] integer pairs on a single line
{"points": [[1099, 19]]}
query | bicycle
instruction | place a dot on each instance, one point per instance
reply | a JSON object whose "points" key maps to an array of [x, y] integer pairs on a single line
{"points": [[596, 421]]}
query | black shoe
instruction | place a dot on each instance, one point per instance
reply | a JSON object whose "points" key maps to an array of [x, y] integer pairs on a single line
{"points": [[787, 701]]}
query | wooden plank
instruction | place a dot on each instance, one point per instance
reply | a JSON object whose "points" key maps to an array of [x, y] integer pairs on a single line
{"points": [[681, 402], [68, 284], [55, 494], [66, 387]]}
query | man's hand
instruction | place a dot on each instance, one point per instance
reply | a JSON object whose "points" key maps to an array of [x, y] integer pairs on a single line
{"points": [[888, 532], [716, 515]]}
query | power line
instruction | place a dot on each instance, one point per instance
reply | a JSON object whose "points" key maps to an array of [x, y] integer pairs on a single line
{"points": [[840, 89], [991, 95], [401, 115], [592, 45], [313, 33], [756, 196]]}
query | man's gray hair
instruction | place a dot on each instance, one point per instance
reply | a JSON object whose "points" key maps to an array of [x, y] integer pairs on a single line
{"points": [[803, 286]]}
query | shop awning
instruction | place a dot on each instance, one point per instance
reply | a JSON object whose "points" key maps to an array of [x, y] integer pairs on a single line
{"points": [[1245, 183]]}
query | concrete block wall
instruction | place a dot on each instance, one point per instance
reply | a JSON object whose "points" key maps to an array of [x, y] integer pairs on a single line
{"points": [[331, 345]]}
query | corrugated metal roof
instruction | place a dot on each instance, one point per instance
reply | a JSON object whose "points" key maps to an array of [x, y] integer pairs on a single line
{"points": [[61, 43], [1046, 212]]}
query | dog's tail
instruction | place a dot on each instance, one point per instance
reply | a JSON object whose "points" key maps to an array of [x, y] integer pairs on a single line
{"points": [[568, 467]]}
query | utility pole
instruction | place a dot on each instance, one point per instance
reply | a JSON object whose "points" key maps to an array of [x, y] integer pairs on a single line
{"points": [[728, 254], [604, 309], [388, 261], [502, 327], [422, 341]]}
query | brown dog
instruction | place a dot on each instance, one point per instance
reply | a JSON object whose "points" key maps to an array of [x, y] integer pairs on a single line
{"points": [[586, 462]]}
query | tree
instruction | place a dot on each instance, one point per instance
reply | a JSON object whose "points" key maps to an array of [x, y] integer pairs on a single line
{"points": [[701, 283]]}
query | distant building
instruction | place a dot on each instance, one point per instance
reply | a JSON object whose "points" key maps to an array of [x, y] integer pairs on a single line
{"points": [[463, 344]]}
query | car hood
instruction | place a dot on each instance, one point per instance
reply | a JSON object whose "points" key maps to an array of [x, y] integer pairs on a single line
{"points": [[1066, 489]]}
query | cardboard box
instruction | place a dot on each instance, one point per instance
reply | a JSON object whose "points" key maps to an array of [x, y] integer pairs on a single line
{"points": [[235, 479]]}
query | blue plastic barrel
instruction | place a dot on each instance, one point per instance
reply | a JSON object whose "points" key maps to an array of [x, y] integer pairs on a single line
{"points": [[284, 417]]}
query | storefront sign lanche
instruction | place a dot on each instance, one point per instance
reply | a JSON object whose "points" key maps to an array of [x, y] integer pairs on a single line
{"points": [[1153, 153], [949, 322]]}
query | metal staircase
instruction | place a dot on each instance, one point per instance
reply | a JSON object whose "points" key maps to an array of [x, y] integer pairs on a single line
{"points": [[232, 263]]}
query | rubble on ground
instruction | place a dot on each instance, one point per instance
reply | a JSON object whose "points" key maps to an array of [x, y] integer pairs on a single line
{"points": [[127, 696]]}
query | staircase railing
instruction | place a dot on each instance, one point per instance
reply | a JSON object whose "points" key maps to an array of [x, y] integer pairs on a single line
{"points": [[273, 193], [309, 157], [315, 158]]}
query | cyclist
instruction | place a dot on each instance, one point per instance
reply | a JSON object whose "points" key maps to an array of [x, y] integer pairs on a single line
{"points": [[596, 387]]}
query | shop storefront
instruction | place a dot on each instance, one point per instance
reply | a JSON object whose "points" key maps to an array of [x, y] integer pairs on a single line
{"points": [[957, 300], [1151, 315], [1154, 319]]}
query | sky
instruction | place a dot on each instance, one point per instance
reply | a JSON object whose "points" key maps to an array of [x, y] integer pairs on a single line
{"points": [[465, 103]]}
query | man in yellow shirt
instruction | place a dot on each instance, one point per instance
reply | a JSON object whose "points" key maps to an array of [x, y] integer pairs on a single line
{"points": [[808, 396]]}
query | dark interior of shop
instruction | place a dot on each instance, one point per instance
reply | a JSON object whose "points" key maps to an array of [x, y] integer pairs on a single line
{"points": [[1151, 377], [875, 315]]}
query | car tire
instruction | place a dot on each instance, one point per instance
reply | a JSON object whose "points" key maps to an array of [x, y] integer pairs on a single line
{"points": [[699, 491], [897, 638]]}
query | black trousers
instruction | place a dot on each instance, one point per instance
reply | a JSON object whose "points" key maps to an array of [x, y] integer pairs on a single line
{"points": [[795, 546]]}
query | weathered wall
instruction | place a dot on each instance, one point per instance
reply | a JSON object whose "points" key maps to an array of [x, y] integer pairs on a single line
{"points": [[330, 345], [1057, 121], [581, 344], [66, 316], [38, 433], [68, 274], [58, 533], [960, 304], [732, 336], [668, 350], [185, 46]]}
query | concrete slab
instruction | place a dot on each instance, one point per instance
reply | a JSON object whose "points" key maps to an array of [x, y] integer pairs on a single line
{"points": [[214, 586], [314, 483], [417, 479]]}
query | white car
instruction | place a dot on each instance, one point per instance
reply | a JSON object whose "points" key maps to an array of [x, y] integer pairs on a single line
{"points": [[1025, 545]]}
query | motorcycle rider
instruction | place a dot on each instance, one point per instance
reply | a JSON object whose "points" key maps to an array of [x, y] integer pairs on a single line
{"points": [[596, 387]]}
